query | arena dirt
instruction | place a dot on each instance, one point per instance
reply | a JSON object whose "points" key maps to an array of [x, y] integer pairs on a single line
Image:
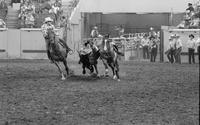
{"points": [[31, 93]]}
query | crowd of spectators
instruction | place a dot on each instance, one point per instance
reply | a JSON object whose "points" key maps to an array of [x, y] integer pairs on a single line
{"points": [[3, 9], [175, 48], [30, 10], [27, 13], [192, 17]]}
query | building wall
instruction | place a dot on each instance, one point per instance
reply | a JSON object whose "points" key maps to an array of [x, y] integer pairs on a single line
{"points": [[130, 21]]}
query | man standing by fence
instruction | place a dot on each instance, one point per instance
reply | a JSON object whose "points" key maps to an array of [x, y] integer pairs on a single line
{"points": [[191, 44], [178, 49], [145, 45]]}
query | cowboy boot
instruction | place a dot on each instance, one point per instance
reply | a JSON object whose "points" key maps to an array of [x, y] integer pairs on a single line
{"points": [[65, 45]]}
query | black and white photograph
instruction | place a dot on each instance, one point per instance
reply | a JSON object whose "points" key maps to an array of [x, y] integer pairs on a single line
{"points": [[99, 62]]}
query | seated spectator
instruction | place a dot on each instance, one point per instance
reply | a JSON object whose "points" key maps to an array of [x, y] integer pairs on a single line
{"points": [[56, 9], [29, 21], [63, 21], [190, 8], [2, 24], [15, 1], [3, 7]]}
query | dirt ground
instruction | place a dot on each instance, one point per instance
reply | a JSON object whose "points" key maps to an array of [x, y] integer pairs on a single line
{"points": [[31, 93]]}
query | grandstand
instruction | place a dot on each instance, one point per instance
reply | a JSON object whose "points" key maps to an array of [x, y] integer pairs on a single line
{"points": [[41, 12]]}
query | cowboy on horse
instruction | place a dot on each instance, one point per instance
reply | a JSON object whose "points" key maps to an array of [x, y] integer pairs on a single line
{"points": [[49, 26]]}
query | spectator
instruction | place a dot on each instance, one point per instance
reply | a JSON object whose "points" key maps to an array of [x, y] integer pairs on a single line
{"points": [[63, 21], [198, 47], [171, 49], [191, 48], [15, 1], [153, 48], [121, 30], [178, 49], [4, 8], [145, 45], [29, 21], [2, 24], [190, 8]]}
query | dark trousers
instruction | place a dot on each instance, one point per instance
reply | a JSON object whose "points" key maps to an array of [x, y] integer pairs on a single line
{"points": [[170, 55], [178, 55], [153, 54], [198, 50], [145, 52], [191, 55]]}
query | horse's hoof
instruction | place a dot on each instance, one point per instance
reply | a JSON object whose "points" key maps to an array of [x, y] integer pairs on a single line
{"points": [[118, 80], [114, 77], [84, 72], [106, 75], [63, 78]]}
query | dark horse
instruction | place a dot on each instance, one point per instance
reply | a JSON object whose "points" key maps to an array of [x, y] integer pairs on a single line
{"points": [[109, 56], [58, 52], [89, 61]]}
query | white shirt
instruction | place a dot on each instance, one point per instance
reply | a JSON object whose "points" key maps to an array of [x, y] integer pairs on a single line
{"points": [[178, 43], [172, 44], [145, 42], [198, 42], [191, 43]]}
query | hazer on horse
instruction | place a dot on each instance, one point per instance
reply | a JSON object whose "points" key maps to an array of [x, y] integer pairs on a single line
{"points": [[89, 55], [109, 55], [57, 49]]}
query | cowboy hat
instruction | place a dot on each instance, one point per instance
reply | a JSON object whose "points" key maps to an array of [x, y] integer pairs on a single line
{"points": [[176, 35], [48, 19], [173, 35], [95, 27]]}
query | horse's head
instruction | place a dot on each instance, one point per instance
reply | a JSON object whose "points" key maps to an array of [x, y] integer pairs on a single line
{"points": [[51, 35]]}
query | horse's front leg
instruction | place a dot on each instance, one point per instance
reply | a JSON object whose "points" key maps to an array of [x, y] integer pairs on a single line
{"points": [[117, 70], [60, 70], [83, 66], [112, 66], [66, 66], [96, 69]]}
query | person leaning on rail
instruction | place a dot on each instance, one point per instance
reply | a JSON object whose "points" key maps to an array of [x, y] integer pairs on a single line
{"points": [[171, 49], [178, 48]]}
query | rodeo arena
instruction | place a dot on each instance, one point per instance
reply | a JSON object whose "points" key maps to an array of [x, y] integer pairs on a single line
{"points": [[99, 62]]}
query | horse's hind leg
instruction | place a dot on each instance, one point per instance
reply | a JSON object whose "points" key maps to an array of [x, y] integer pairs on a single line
{"points": [[60, 70], [117, 70]]}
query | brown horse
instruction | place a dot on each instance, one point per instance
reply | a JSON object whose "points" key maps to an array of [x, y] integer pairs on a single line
{"points": [[58, 52], [109, 56]]}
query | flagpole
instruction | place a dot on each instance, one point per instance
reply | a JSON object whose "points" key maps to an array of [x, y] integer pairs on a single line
{"points": [[171, 17]]}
